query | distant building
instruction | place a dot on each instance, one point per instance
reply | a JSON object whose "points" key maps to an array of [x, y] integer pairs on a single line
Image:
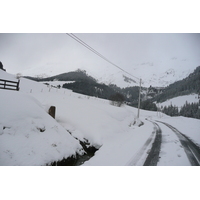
{"points": [[153, 91]]}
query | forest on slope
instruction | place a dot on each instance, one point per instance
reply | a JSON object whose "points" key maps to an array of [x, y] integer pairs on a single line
{"points": [[87, 85], [188, 85]]}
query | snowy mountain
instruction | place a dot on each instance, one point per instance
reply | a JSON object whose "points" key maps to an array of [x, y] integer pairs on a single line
{"points": [[79, 81], [30, 136], [150, 73], [166, 78]]}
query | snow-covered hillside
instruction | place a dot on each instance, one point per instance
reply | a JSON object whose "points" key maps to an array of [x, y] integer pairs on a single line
{"points": [[150, 73], [181, 100], [29, 136]]}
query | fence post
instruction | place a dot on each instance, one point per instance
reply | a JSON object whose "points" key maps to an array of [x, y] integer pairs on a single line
{"points": [[52, 111], [18, 85]]}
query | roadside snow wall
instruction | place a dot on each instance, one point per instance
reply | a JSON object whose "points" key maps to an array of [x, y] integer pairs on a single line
{"points": [[28, 135]]}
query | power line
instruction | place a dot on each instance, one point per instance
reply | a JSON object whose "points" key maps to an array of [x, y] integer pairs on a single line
{"points": [[97, 53], [100, 55]]}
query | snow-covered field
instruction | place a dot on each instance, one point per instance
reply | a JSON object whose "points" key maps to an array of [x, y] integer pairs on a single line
{"points": [[181, 100], [29, 136], [57, 83]]}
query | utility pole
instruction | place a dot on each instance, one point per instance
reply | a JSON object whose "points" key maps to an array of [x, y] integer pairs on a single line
{"points": [[138, 115], [101, 56]]}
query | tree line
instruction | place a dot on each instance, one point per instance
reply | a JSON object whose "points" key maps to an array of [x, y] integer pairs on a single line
{"points": [[188, 110], [189, 85]]}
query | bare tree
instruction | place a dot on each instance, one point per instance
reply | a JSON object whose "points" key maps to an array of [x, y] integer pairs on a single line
{"points": [[117, 99], [1, 66]]}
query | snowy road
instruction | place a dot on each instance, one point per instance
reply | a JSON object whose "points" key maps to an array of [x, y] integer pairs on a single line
{"points": [[167, 146], [148, 154], [185, 152], [153, 155]]}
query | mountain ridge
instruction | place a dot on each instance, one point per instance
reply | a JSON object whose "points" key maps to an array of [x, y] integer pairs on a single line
{"points": [[85, 84], [150, 75]]}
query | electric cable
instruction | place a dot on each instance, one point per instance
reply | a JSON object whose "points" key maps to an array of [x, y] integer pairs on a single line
{"points": [[100, 55], [97, 53]]}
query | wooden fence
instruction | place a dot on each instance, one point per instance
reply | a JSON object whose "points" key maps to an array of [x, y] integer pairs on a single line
{"points": [[9, 85]]}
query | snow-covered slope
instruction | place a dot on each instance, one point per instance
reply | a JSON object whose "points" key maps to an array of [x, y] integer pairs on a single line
{"points": [[29, 136], [150, 73], [181, 100], [166, 78]]}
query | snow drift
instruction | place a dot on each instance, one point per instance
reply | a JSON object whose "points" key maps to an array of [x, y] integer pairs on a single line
{"points": [[28, 135]]}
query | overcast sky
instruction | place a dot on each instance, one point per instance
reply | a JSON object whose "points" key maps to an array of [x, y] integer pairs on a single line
{"points": [[32, 54]]}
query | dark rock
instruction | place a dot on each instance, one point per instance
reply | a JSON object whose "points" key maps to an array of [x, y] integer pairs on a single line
{"points": [[52, 111]]}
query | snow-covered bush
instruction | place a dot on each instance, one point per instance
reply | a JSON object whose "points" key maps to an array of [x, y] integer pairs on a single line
{"points": [[117, 99]]}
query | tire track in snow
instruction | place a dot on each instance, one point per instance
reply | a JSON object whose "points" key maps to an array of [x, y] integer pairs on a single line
{"points": [[142, 154], [191, 149], [153, 157], [138, 156]]}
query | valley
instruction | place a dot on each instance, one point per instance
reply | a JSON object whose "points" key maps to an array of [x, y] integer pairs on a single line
{"points": [[119, 137]]}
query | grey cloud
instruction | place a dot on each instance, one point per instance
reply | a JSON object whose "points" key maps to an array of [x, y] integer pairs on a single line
{"points": [[19, 52]]}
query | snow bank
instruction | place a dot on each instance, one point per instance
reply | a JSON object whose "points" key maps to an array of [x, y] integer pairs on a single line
{"points": [[7, 76], [28, 135]]}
